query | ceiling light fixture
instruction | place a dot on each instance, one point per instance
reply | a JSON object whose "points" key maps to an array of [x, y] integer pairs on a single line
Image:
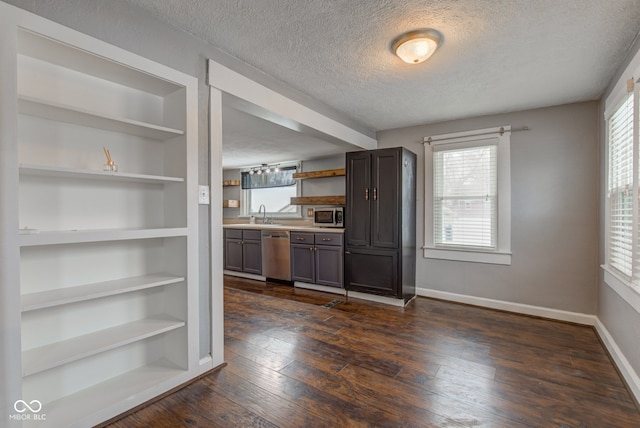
{"points": [[416, 46], [264, 169]]}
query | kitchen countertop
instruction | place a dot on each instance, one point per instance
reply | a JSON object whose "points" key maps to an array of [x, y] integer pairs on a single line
{"points": [[292, 228]]}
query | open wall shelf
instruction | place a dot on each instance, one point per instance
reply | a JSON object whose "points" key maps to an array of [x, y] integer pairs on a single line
{"points": [[321, 174], [318, 200]]}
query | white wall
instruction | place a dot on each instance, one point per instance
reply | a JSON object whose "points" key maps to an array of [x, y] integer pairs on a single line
{"points": [[554, 177]]}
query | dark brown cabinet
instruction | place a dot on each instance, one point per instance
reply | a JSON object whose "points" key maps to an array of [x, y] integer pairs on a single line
{"points": [[243, 251], [380, 222], [317, 258]]}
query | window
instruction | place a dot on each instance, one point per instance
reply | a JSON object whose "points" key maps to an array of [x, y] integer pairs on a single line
{"points": [[274, 190], [467, 194], [464, 196], [621, 200], [622, 210], [621, 188]]}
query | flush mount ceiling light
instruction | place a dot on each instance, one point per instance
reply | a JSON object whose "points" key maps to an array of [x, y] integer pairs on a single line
{"points": [[416, 46]]}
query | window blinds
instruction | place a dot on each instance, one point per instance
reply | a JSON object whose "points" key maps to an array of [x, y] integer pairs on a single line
{"points": [[621, 188], [465, 202]]}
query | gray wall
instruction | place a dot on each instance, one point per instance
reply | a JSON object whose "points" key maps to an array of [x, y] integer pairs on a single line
{"points": [[554, 212], [324, 186], [620, 319]]}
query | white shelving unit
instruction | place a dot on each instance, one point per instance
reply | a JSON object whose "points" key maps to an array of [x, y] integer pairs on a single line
{"points": [[80, 236], [63, 113], [101, 266], [79, 174], [66, 351], [58, 297]]}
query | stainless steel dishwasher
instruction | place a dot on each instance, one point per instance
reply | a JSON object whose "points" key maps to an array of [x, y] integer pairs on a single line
{"points": [[276, 259]]}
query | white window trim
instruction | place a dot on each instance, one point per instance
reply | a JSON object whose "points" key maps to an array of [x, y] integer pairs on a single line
{"points": [[622, 286], [502, 254]]}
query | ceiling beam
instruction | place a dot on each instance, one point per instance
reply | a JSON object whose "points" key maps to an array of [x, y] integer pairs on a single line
{"points": [[258, 100]]}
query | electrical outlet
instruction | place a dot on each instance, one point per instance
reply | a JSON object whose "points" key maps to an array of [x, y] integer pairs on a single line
{"points": [[203, 195], [309, 212]]}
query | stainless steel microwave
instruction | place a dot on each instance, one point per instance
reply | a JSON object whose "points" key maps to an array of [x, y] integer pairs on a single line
{"points": [[328, 217]]}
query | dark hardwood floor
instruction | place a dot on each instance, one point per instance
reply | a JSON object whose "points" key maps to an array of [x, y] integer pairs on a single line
{"points": [[293, 362]]}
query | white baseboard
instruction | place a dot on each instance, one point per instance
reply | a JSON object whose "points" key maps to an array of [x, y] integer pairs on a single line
{"points": [[316, 287], [244, 275], [629, 375], [520, 308], [205, 364], [356, 295], [378, 299], [627, 371]]}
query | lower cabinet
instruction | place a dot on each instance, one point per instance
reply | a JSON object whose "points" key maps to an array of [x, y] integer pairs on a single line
{"points": [[243, 251], [317, 258], [374, 272]]}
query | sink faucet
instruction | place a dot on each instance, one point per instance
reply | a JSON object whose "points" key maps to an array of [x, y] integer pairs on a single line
{"points": [[264, 214]]}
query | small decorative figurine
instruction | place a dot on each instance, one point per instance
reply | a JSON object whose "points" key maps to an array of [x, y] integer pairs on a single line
{"points": [[110, 165]]}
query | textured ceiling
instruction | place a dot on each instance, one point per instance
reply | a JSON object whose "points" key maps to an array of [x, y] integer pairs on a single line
{"points": [[497, 55]]}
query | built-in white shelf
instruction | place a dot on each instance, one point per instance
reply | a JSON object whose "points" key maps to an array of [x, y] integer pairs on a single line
{"points": [[66, 351], [59, 172], [80, 293], [92, 350], [35, 46], [101, 235], [72, 409], [65, 113]]}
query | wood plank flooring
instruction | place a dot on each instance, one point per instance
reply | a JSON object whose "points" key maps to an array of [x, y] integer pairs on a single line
{"points": [[293, 362]]}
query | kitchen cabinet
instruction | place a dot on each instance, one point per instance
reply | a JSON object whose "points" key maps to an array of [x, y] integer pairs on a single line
{"points": [[380, 222], [243, 251], [100, 264], [317, 258]]}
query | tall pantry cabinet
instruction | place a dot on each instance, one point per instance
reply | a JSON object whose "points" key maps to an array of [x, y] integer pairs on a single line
{"points": [[380, 248], [98, 267]]}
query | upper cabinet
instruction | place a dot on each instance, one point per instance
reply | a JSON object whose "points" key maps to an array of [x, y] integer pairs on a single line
{"points": [[106, 277]]}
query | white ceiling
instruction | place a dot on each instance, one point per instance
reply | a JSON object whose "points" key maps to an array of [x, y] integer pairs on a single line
{"points": [[497, 55]]}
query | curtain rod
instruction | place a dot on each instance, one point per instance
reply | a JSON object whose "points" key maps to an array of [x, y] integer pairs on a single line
{"points": [[501, 131], [524, 128]]}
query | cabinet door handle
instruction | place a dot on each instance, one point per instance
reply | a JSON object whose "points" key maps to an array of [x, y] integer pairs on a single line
{"points": [[366, 194], [347, 252], [375, 193], [300, 239], [326, 239], [310, 248]]}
